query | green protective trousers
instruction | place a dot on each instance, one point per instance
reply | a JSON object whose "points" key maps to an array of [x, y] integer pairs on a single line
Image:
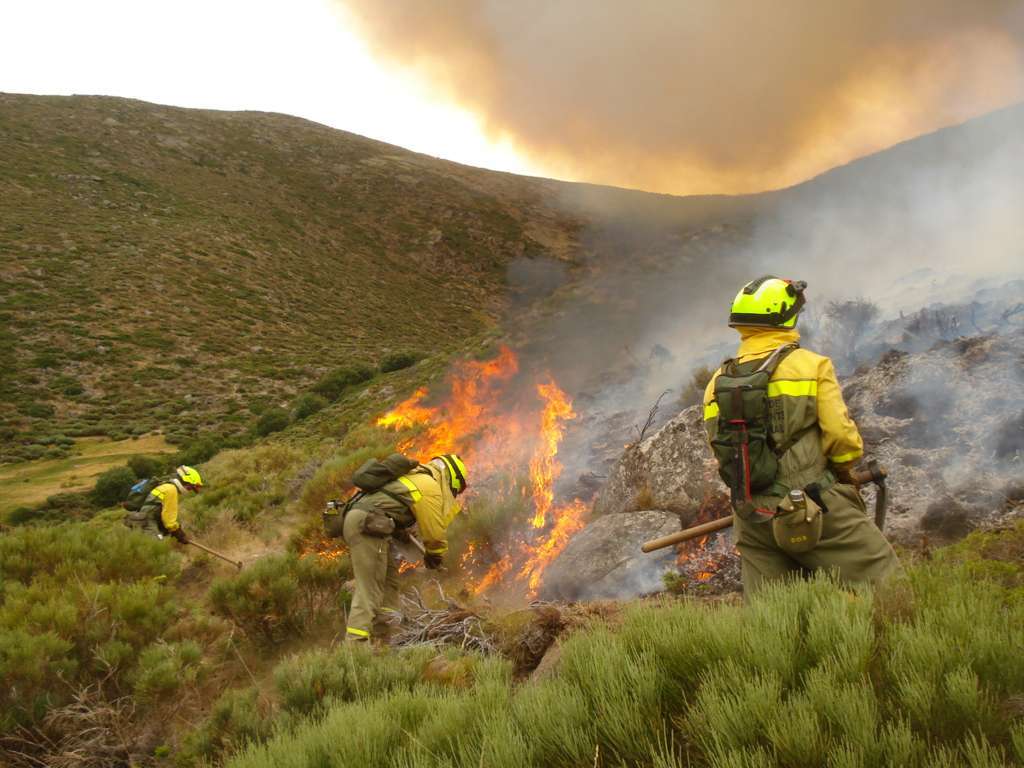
{"points": [[851, 546], [375, 603], [145, 520]]}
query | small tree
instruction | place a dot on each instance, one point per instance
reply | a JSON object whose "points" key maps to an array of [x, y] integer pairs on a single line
{"points": [[145, 466]]}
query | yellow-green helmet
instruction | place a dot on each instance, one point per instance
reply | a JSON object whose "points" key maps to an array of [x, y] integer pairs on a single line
{"points": [[768, 302], [456, 472], [189, 476]]}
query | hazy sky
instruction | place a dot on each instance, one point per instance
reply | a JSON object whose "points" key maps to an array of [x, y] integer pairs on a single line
{"points": [[298, 57], [677, 96]]}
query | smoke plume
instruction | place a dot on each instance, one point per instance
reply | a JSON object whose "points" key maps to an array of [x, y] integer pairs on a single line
{"points": [[706, 95]]}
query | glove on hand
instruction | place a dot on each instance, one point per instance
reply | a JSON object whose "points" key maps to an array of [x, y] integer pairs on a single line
{"points": [[843, 472], [432, 561], [179, 534]]}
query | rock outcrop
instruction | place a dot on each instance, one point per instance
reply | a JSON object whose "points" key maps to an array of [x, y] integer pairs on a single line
{"points": [[604, 560], [671, 470]]}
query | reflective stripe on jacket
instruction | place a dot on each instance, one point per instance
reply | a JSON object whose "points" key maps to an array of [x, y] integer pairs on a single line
{"points": [[427, 493], [166, 495], [802, 393]]}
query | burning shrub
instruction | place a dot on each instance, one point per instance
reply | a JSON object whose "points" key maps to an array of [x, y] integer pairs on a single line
{"points": [[693, 391], [282, 595], [847, 323]]}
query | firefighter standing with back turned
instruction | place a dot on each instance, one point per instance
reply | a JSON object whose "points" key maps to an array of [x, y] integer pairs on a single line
{"points": [[786, 445], [398, 494]]}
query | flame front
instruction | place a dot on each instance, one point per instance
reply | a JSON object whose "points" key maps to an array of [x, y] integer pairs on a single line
{"points": [[498, 432], [544, 470], [568, 521], [467, 413]]}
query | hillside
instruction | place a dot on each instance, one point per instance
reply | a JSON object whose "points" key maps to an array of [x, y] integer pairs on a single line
{"points": [[288, 251], [176, 269]]}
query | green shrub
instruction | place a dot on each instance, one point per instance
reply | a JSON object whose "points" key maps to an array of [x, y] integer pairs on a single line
{"points": [[200, 450], [307, 683], [334, 384], [924, 673], [333, 478], [245, 484], [280, 596], [38, 410], [112, 486], [59, 508], [398, 360], [308, 404], [147, 466], [163, 668], [272, 420], [238, 718], [78, 603]]}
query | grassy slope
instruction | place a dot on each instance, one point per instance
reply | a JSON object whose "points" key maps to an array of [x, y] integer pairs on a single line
{"points": [[31, 482], [924, 672], [162, 267]]}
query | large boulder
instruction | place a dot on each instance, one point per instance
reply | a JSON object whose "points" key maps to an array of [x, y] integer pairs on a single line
{"points": [[672, 470], [604, 559]]}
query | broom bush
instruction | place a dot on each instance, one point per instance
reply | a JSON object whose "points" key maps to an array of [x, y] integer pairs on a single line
{"points": [[78, 603], [925, 671]]}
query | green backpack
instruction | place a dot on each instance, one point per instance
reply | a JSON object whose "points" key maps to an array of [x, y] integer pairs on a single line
{"points": [[748, 460], [371, 477]]}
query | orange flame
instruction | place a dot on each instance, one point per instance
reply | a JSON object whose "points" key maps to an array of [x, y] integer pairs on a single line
{"points": [[495, 574], [468, 411], [544, 470], [568, 521], [409, 413], [480, 421]]}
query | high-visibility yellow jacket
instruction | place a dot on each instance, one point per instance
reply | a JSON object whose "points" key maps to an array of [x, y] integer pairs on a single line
{"points": [[435, 508], [806, 390], [427, 493], [166, 495]]}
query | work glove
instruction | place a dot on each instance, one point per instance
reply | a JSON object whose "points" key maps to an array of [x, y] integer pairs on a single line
{"points": [[179, 534], [402, 534], [432, 561], [844, 473]]}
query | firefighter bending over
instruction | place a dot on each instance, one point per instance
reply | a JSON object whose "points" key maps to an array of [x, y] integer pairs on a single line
{"points": [[152, 505], [395, 495], [785, 446]]}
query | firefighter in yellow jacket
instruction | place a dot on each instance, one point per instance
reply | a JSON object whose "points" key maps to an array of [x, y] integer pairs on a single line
{"points": [[786, 445], [425, 497], [158, 513]]}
